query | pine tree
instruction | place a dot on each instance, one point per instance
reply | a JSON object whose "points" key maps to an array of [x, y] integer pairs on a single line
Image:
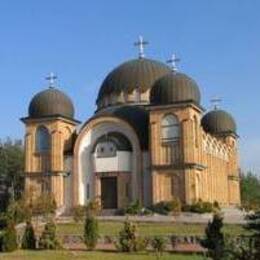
{"points": [[214, 240], [29, 240], [91, 232]]}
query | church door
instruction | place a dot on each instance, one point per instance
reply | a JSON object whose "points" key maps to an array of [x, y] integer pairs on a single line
{"points": [[109, 192]]}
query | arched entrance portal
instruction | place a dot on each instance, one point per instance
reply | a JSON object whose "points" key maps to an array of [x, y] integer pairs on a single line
{"points": [[112, 155]]}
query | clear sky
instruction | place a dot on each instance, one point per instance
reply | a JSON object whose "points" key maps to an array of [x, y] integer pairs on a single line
{"points": [[81, 41]]}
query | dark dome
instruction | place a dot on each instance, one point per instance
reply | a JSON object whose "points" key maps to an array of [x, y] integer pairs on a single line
{"points": [[218, 122], [51, 102], [174, 87], [141, 73]]}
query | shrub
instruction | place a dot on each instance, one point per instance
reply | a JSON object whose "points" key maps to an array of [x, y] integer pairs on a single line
{"points": [[79, 212], [29, 240], [214, 240], [158, 244], [134, 208], [167, 207], [91, 232], [48, 239], [174, 205], [216, 205], [201, 207], [44, 205], [146, 211], [18, 211], [9, 239], [129, 241], [94, 207]]}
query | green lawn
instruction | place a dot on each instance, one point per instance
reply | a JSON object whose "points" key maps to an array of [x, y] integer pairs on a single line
{"points": [[149, 229], [83, 255]]}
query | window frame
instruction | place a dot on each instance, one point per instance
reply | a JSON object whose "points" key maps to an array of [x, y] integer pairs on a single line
{"points": [[42, 132], [170, 126]]}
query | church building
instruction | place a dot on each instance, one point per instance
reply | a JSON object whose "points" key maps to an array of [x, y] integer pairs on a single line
{"points": [[149, 139]]}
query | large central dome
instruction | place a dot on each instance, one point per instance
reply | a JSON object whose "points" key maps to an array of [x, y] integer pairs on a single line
{"points": [[121, 83]]}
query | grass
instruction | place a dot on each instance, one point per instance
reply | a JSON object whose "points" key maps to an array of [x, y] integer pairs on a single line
{"points": [[80, 255], [150, 229]]}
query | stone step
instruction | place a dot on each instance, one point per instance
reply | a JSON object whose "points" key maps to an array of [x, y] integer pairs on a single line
{"points": [[108, 212]]}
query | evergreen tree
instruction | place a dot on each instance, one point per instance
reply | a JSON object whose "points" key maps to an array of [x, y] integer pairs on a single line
{"points": [[29, 240], [159, 245], [91, 232], [48, 239], [214, 240], [129, 241], [9, 238]]}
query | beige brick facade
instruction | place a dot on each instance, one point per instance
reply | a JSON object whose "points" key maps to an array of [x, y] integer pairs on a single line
{"points": [[45, 171], [205, 167], [196, 166]]}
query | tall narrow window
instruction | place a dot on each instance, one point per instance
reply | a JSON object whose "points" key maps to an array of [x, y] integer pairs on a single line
{"points": [[88, 191], [170, 129], [43, 139], [127, 190], [196, 133]]}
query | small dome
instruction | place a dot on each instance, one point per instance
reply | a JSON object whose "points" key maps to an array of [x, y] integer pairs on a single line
{"points": [[138, 73], [174, 88], [218, 122], [51, 102]]}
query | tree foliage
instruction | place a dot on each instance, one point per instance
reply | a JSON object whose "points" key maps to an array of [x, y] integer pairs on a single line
{"points": [[250, 191], [214, 240], [44, 205], [8, 238], [91, 232], [249, 247], [11, 169]]}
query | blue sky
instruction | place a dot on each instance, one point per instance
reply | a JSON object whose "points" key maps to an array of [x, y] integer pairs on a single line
{"points": [[81, 41]]}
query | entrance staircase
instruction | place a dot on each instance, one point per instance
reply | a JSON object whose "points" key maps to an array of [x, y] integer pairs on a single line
{"points": [[108, 212]]}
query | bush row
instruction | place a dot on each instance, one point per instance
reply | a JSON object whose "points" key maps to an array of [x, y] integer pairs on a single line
{"points": [[164, 208], [171, 207]]}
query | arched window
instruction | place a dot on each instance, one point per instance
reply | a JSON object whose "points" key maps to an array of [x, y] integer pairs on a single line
{"points": [[42, 139], [170, 128]]}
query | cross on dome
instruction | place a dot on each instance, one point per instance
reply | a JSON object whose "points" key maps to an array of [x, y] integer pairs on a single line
{"points": [[173, 62], [51, 79], [140, 44], [216, 102]]}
